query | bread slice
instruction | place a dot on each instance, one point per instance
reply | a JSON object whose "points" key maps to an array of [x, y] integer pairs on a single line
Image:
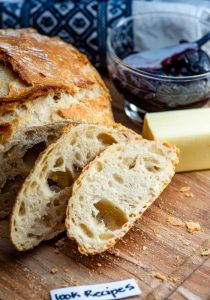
{"points": [[40, 207], [45, 84], [115, 189], [18, 157]]}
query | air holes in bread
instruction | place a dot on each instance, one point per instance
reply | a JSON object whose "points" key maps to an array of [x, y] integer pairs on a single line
{"points": [[60, 180], [106, 236], [22, 107], [130, 162], [152, 168], [22, 209], [50, 138], [12, 184], [77, 169], [106, 139], [45, 220], [57, 97], [34, 184], [112, 216], [99, 166], [59, 162], [32, 235], [73, 141], [32, 153], [118, 178], [29, 134], [78, 156], [86, 230]]}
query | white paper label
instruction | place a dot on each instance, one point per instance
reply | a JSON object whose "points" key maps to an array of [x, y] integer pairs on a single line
{"points": [[105, 291]]}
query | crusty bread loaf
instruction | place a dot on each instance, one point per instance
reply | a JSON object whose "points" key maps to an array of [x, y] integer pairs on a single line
{"points": [[115, 189], [44, 84], [40, 207]]}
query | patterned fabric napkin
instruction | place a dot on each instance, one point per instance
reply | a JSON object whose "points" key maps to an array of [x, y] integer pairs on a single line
{"points": [[84, 23]]}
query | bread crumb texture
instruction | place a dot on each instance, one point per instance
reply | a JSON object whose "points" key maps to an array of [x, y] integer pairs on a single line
{"points": [[54, 270], [175, 222], [189, 195], [175, 279], [184, 189], [192, 226], [160, 276]]}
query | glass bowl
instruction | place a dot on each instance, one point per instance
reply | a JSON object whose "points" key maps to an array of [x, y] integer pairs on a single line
{"points": [[146, 92]]}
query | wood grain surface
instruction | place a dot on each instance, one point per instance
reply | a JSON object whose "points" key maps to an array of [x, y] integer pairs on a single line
{"points": [[153, 246]]}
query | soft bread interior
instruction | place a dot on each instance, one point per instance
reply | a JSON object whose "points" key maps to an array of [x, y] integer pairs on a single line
{"points": [[40, 207], [17, 159], [115, 189]]}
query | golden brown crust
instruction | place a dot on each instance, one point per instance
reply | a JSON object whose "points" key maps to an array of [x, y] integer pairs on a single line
{"points": [[89, 111], [44, 64]]}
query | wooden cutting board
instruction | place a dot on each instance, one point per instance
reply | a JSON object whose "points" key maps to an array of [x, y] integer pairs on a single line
{"points": [[153, 246]]}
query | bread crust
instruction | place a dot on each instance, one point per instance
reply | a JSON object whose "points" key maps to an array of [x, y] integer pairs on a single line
{"points": [[47, 66], [44, 82], [44, 64]]}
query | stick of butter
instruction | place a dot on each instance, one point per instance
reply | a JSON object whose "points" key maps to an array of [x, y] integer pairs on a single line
{"points": [[188, 129]]}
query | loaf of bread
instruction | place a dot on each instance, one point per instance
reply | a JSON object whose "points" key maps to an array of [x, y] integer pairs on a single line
{"points": [[115, 189], [44, 84], [40, 207]]}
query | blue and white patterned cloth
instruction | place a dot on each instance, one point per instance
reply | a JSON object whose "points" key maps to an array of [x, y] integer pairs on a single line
{"points": [[84, 23]]}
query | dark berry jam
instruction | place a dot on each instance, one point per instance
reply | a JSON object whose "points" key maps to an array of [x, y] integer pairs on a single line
{"points": [[150, 92]]}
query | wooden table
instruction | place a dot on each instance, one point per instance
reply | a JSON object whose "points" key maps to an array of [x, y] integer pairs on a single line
{"points": [[152, 246]]}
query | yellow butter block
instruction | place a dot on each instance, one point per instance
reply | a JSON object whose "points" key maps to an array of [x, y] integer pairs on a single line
{"points": [[188, 129]]}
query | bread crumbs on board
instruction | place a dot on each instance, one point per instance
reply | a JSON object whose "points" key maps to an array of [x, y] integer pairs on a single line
{"points": [[184, 189], [175, 222], [76, 282], [191, 195], [205, 252], [54, 270], [186, 243], [175, 279], [156, 232], [160, 276], [192, 226]]}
